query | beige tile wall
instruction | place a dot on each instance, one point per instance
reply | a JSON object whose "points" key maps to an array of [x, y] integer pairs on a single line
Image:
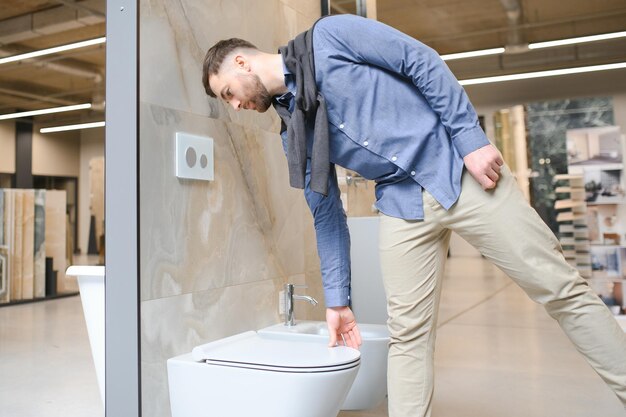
{"points": [[214, 255]]}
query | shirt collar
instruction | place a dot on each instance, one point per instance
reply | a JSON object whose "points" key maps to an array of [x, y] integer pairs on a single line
{"points": [[290, 82]]}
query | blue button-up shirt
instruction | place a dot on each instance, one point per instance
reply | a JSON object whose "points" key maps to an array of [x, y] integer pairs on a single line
{"points": [[397, 116]]}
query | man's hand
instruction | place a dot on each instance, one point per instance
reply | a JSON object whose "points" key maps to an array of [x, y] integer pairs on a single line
{"points": [[342, 326], [484, 165]]}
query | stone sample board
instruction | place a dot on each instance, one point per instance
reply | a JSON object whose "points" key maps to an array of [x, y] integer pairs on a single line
{"points": [[55, 238], [28, 244], [40, 244], [2, 217], [16, 247], [96, 194], [9, 201]]}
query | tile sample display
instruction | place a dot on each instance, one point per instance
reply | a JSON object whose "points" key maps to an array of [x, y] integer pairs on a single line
{"points": [[96, 194], [4, 279], [16, 247], [55, 239], [39, 244], [28, 243], [1, 217], [4, 254], [9, 200]]}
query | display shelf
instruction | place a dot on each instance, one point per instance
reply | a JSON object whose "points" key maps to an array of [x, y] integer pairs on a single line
{"points": [[567, 177], [563, 204], [597, 155], [599, 166], [568, 216], [606, 200], [574, 234], [568, 189], [35, 300]]}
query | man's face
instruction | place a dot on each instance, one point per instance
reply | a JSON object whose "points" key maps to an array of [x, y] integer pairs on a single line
{"points": [[241, 88]]}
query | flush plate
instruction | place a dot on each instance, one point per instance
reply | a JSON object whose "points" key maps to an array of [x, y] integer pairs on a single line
{"points": [[194, 157]]}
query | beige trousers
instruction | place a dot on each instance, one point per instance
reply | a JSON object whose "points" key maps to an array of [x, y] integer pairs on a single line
{"points": [[508, 232]]}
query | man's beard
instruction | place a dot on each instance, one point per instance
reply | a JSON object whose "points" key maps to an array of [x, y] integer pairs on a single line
{"points": [[257, 93]]}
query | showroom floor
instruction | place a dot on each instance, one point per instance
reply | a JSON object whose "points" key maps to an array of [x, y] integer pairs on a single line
{"points": [[498, 354]]}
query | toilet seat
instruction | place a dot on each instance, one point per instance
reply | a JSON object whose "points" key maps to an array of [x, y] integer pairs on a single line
{"points": [[252, 351]]}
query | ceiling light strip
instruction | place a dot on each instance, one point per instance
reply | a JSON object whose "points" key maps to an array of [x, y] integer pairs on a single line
{"points": [[539, 74], [581, 39], [53, 50], [471, 54], [537, 45], [71, 127], [45, 111]]}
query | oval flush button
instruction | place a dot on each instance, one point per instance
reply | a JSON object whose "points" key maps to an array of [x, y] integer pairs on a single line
{"points": [[191, 157]]}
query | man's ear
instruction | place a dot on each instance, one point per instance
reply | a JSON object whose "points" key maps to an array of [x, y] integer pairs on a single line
{"points": [[242, 62]]}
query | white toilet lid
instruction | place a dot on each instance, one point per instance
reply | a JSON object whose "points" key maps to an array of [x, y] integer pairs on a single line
{"points": [[251, 350]]}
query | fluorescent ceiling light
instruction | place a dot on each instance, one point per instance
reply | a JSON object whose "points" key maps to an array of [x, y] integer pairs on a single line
{"points": [[471, 54], [53, 50], [581, 39], [45, 111], [539, 74], [537, 45], [71, 127]]}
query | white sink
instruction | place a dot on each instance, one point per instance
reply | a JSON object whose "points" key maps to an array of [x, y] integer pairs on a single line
{"points": [[370, 386]]}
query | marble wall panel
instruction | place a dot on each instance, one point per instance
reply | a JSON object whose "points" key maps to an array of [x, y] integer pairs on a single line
{"points": [[180, 32], [278, 207], [214, 255], [198, 235]]}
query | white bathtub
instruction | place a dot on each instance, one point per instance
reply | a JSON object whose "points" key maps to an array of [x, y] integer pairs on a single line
{"points": [[91, 286]]}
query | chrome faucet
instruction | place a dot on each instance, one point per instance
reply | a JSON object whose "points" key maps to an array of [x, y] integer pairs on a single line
{"points": [[290, 319]]}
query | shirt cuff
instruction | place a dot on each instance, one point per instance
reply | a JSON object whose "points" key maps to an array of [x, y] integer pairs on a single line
{"points": [[470, 140], [337, 297]]}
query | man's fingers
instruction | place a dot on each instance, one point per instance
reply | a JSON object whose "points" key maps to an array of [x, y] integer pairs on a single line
{"points": [[488, 183], [332, 333], [353, 338], [492, 175], [499, 160]]}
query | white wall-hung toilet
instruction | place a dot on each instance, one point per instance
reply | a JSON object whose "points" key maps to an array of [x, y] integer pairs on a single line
{"points": [[370, 386], [252, 375]]}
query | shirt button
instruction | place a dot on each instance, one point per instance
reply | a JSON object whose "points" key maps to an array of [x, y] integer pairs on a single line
{"points": [[366, 143], [412, 172], [394, 158], [341, 126]]}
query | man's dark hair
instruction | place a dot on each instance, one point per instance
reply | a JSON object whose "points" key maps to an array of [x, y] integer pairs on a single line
{"points": [[215, 56]]}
